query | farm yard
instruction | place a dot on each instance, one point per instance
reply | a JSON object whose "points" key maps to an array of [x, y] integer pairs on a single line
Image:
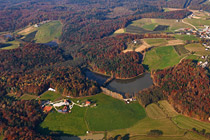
{"points": [[113, 112]]}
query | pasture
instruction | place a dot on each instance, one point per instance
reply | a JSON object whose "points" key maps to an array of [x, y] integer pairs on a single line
{"points": [[72, 123], [13, 45], [161, 57], [50, 95], [155, 112], [156, 41], [152, 23], [188, 123], [181, 50], [48, 32], [199, 23], [167, 108], [109, 114], [197, 48], [187, 37], [28, 97]]}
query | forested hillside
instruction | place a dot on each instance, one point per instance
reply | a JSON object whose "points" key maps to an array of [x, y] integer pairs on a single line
{"points": [[187, 88]]}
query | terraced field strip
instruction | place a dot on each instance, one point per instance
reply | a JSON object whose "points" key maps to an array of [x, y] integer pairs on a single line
{"points": [[154, 112], [181, 50], [167, 108], [189, 123]]}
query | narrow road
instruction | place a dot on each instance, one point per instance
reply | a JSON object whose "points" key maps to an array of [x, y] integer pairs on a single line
{"points": [[189, 24]]}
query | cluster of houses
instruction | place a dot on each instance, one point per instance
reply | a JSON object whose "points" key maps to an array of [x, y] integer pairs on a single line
{"points": [[203, 64], [39, 24]]}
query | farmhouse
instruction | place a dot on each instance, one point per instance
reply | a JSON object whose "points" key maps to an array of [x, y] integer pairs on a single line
{"points": [[87, 103], [51, 89]]}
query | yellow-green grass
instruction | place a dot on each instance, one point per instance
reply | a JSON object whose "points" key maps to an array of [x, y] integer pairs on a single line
{"points": [[120, 31], [150, 26], [144, 126], [167, 108], [109, 114], [71, 123], [154, 112], [194, 57], [28, 97], [197, 48], [27, 30], [156, 41], [199, 23], [50, 95], [189, 123], [187, 136], [187, 37], [14, 45], [1, 137], [48, 32], [161, 57], [151, 22]]}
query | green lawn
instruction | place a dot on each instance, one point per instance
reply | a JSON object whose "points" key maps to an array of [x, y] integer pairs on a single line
{"points": [[71, 123], [109, 114], [186, 37], [113, 114], [48, 32], [189, 123], [28, 97], [161, 57], [50, 95], [154, 112]]}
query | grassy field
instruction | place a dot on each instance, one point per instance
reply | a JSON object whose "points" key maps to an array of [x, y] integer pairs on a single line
{"points": [[14, 45], [154, 112], [147, 124], [181, 50], [156, 41], [199, 23], [27, 30], [48, 32], [186, 37], [114, 113], [189, 123], [194, 57], [28, 97], [197, 48], [167, 108], [50, 95], [161, 57], [71, 123], [109, 114], [150, 24], [119, 31]]}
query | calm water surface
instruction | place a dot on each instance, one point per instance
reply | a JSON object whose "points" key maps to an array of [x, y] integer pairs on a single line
{"points": [[123, 86]]}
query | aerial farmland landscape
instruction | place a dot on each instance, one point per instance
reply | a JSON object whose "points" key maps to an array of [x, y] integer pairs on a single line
{"points": [[104, 70]]}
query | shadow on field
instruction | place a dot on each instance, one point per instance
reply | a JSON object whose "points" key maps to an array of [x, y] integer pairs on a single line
{"points": [[119, 137]]}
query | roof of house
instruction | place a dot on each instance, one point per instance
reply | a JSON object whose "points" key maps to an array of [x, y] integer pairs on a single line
{"points": [[47, 108]]}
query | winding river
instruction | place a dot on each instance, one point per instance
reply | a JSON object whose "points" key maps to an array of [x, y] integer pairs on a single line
{"points": [[130, 86]]}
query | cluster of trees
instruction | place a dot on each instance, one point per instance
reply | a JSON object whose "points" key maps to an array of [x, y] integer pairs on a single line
{"points": [[18, 119], [66, 80], [150, 95], [34, 68], [202, 132], [187, 87], [178, 14], [31, 56]]}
